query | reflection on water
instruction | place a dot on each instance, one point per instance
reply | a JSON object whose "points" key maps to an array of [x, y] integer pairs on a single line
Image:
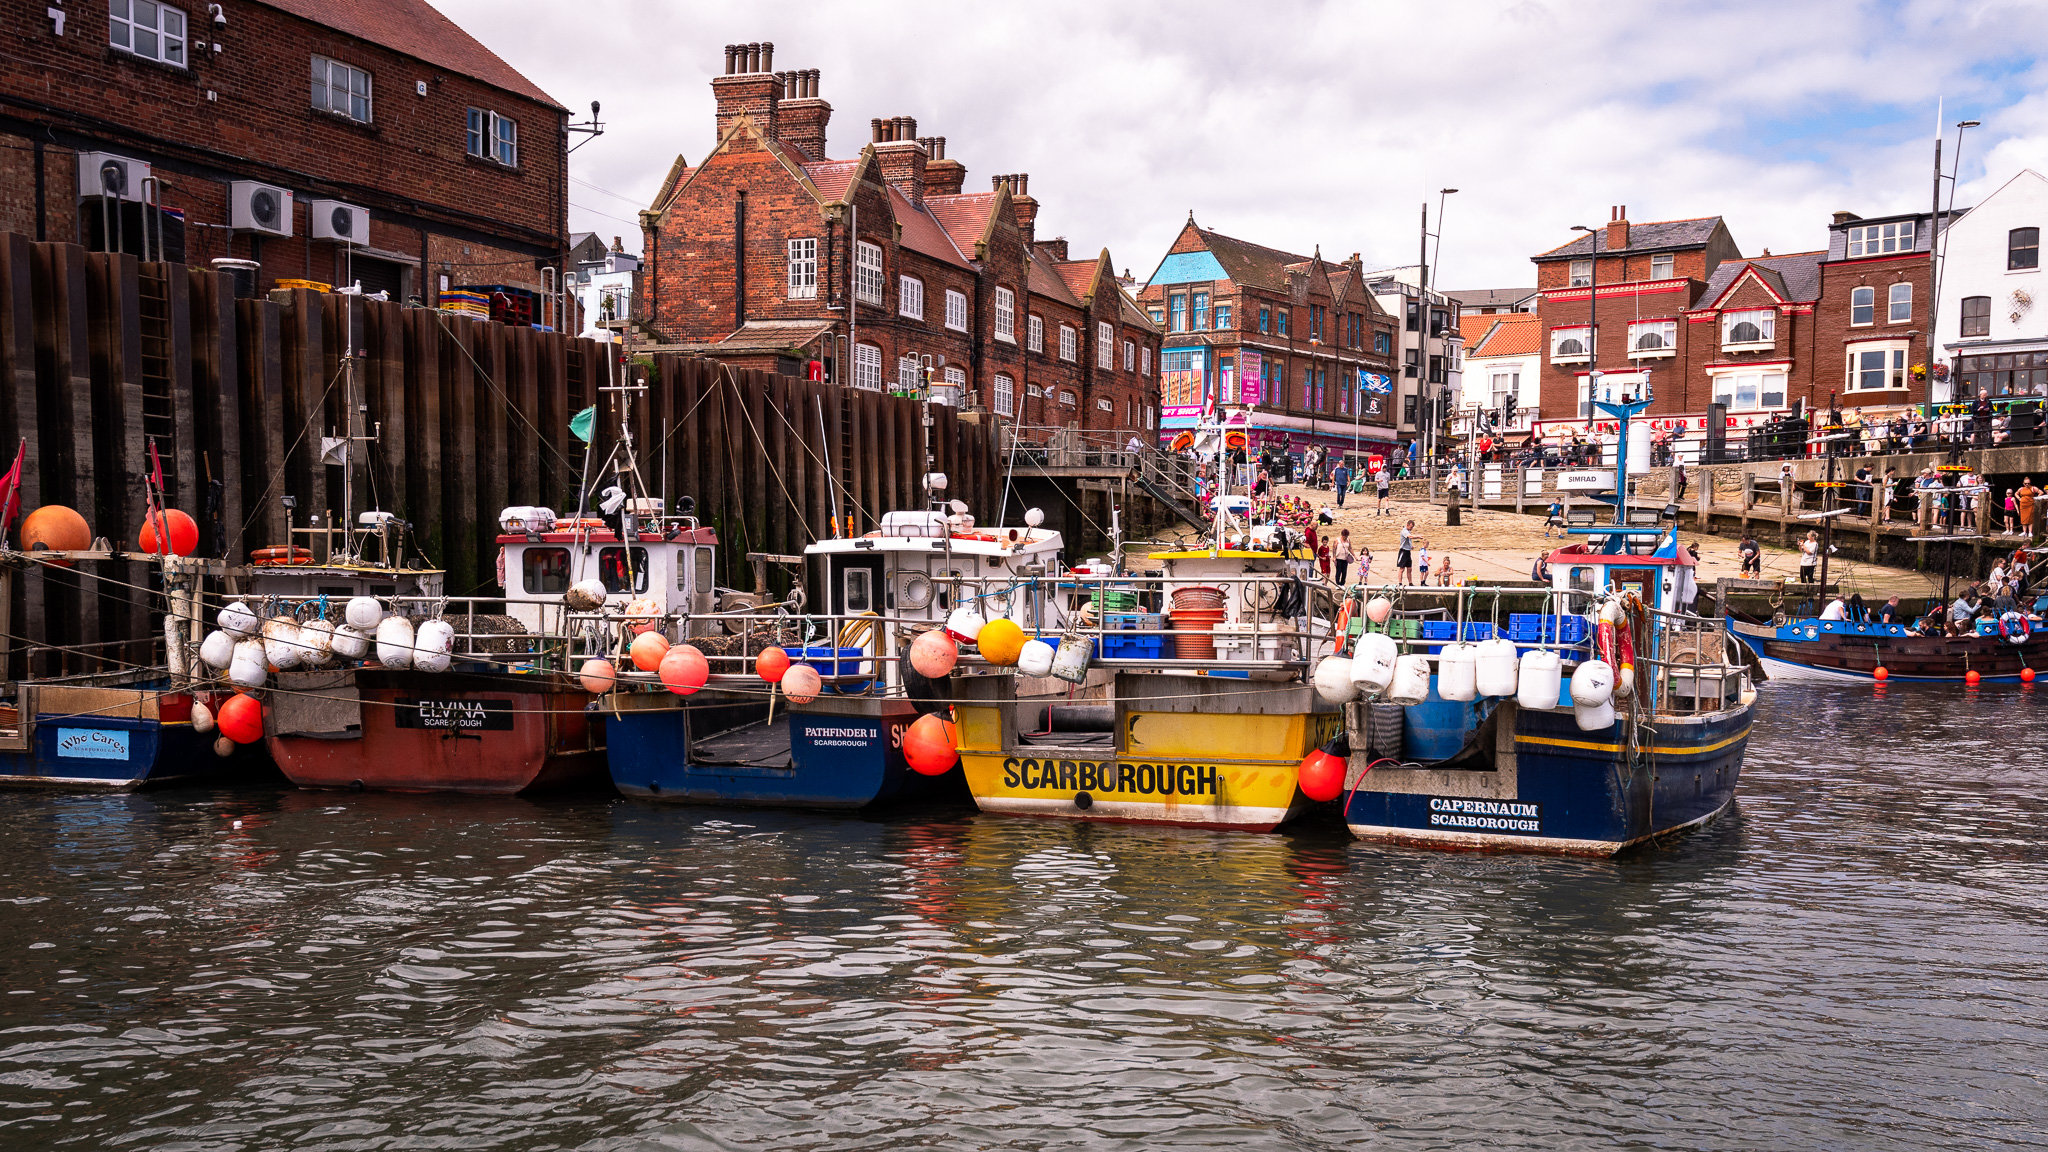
{"points": [[1853, 960]]}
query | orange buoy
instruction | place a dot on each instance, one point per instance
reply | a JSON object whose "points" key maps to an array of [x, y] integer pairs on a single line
{"points": [[648, 649], [55, 528], [684, 669], [929, 745], [241, 719], [599, 677], [1972, 677], [772, 665], [802, 684], [934, 654], [1880, 674], [1321, 775], [182, 530], [2026, 675]]}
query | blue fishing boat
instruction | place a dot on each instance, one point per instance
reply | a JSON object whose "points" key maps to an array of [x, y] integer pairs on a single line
{"points": [[1604, 718]]}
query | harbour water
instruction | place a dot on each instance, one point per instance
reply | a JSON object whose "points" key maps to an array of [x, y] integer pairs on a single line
{"points": [[1853, 959]]}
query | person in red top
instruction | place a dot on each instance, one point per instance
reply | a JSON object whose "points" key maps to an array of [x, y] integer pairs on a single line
{"points": [[1323, 560]]}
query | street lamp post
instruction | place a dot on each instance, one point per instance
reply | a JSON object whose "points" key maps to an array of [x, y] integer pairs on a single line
{"points": [[1431, 412], [1935, 234], [1592, 326]]}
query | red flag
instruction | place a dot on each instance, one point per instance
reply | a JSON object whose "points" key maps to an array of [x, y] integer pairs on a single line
{"points": [[10, 488]]}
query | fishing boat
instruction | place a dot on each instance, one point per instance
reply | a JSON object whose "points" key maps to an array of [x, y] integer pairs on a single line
{"points": [[842, 745], [1600, 717]]}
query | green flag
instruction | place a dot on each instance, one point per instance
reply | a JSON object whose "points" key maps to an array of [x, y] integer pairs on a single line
{"points": [[582, 423]]}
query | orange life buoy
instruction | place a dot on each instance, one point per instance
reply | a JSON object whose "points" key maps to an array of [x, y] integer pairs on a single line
{"points": [[281, 555], [989, 536], [1343, 627]]}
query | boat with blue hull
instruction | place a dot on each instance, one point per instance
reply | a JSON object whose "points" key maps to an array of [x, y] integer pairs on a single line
{"points": [[97, 737], [1851, 651], [1607, 717]]}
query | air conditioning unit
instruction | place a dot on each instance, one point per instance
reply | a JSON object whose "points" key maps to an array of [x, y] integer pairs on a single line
{"points": [[257, 207], [105, 174], [334, 220]]}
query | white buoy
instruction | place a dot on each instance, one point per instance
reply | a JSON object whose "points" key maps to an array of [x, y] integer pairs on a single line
{"points": [[202, 717], [1457, 672], [1411, 680], [1070, 662], [1495, 671], [1036, 658], [349, 643], [363, 613], [247, 669], [316, 637], [964, 624], [585, 596], [1594, 717], [1372, 664], [395, 642], [237, 621], [1593, 684], [1333, 680], [1542, 681], [217, 650], [281, 645], [433, 646]]}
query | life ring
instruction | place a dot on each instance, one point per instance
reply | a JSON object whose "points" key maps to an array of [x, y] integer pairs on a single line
{"points": [[985, 536], [1343, 627], [281, 555], [2015, 627]]}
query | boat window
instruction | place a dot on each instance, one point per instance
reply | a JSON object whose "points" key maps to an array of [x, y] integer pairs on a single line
{"points": [[611, 568], [704, 580], [545, 570], [1582, 579], [859, 588]]}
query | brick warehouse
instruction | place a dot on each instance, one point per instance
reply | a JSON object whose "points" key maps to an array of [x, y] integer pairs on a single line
{"points": [[875, 270], [1301, 344], [243, 110]]}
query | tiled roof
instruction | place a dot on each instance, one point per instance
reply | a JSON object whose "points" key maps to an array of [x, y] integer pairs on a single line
{"points": [[831, 176], [1249, 263], [1492, 297], [1046, 281], [1644, 237], [414, 28], [1509, 334], [922, 233], [777, 333], [1134, 315], [1793, 277], [964, 217], [1079, 275]]}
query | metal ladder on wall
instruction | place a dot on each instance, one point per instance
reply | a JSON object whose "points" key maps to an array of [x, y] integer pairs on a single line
{"points": [[158, 418]]}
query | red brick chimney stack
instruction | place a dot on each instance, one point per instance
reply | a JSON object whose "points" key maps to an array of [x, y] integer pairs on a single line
{"points": [[942, 176], [1617, 228], [901, 156], [749, 87], [801, 115], [1026, 208]]}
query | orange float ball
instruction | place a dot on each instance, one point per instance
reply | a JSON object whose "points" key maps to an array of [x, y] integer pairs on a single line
{"points": [[802, 684], [1321, 775], [182, 530], [1973, 677], [684, 669], [771, 665], [934, 654], [2026, 675], [241, 719], [598, 676], [55, 528], [648, 649], [929, 745], [1880, 674]]}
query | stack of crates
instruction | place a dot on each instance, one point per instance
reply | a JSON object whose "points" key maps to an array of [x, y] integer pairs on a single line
{"points": [[1437, 633], [1533, 628], [1126, 635]]}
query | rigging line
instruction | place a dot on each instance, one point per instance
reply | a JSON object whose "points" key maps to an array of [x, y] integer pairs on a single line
{"points": [[773, 471], [633, 200], [256, 507], [538, 436], [844, 492], [1070, 500], [732, 462]]}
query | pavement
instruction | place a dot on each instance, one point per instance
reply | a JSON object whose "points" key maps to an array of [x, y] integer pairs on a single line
{"points": [[1502, 545]]}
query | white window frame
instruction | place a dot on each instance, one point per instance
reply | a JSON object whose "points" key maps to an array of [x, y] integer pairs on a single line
{"points": [[1730, 382], [1145, 360], [1034, 333], [1033, 390], [1130, 356], [953, 392], [956, 310], [1766, 320], [1579, 275], [1663, 266], [909, 373], [867, 367], [1069, 399], [1006, 315], [1580, 332], [868, 284], [803, 268], [1893, 354], [1498, 390], [126, 31], [1666, 330], [910, 297], [353, 91], [1005, 395], [1899, 294], [493, 137], [1866, 293], [1105, 345], [1102, 404], [1880, 239], [1070, 344]]}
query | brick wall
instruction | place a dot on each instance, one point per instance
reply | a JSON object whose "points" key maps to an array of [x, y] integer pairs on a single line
{"points": [[1833, 331]]}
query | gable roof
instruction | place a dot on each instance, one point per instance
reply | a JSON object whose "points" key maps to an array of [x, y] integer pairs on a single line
{"points": [[1240, 261], [414, 28], [1492, 297], [1648, 237], [922, 233], [1079, 275], [965, 217], [1509, 334], [831, 177], [1794, 278], [1046, 281]]}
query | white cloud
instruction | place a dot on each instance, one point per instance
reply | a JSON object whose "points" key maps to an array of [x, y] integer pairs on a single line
{"points": [[1295, 124]]}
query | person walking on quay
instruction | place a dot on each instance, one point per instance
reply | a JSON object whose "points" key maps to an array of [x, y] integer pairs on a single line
{"points": [[1678, 480], [1809, 557], [1323, 559], [1342, 554], [1554, 518], [1752, 555], [1404, 555], [1422, 550], [1384, 482], [1343, 478], [2026, 500]]}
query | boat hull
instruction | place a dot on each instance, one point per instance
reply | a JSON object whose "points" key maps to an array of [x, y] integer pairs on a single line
{"points": [[1840, 652], [81, 746], [492, 734], [1556, 789], [837, 753]]}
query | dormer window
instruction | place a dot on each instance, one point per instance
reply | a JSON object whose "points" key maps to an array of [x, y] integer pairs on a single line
{"points": [[1753, 329], [1653, 338], [1569, 345], [1662, 266]]}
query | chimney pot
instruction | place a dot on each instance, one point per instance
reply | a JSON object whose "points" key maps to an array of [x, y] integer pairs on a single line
{"points": [[728, 59], [753, 58], [767, 57]]}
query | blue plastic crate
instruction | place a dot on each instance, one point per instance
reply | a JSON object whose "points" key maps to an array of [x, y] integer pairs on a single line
{"points": [[1141, 621], [1439, 629], [1572, 629], [1118, 647], [1478, 630]]}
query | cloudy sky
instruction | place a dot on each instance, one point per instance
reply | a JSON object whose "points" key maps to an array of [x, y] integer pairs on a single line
{"points": [[1295, 124]]}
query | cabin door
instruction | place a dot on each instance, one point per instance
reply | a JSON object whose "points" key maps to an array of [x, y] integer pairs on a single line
{"points": [[857, 586], [1641, 581]]}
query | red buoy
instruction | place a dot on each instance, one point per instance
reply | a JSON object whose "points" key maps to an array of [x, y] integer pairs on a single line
{"points": [[684, 669], [182, 530], [928, 747], [1972, 677], [241, 719], [1879, 674], [771, 664], [1321, 775], [2026, 675]]}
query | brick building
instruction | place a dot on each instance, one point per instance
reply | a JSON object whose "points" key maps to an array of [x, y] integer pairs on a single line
{"points": [[330, 142], [1298, 342], [880, 271], [1871, 320]]}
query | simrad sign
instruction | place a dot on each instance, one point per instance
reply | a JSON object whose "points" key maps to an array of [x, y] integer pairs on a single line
{"points": [[1585, 481]]}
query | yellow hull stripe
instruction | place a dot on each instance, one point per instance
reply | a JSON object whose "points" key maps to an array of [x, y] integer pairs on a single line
{"points": [[1593, 746]]}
